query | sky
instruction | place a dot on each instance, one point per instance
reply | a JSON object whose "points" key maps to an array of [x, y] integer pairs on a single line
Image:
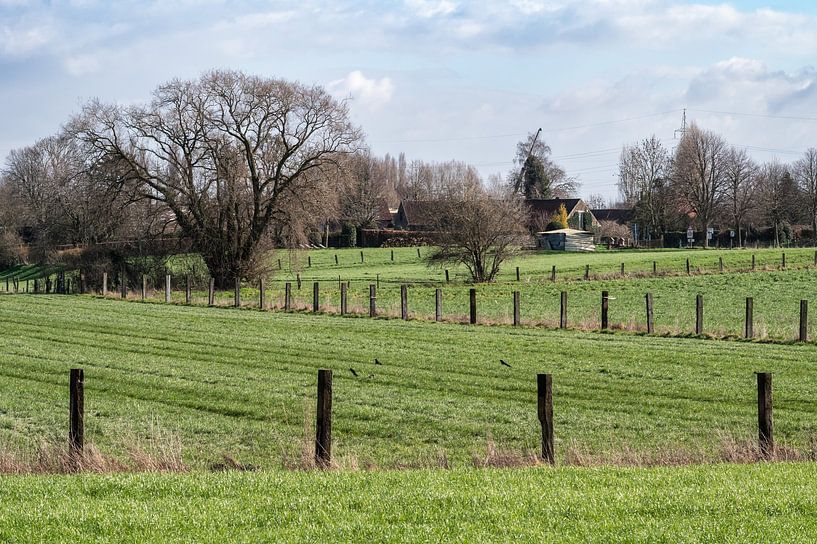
{"points": [[444, 79]]}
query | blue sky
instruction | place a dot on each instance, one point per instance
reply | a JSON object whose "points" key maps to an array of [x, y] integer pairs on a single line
{"points": [[444, 79]]}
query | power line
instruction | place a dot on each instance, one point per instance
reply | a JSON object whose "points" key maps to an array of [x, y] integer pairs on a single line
{"points": [[764, 115]]}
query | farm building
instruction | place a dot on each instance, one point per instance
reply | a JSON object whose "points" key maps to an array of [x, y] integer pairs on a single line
{"points": [[579, 216], [566, 240], [420, 215]]}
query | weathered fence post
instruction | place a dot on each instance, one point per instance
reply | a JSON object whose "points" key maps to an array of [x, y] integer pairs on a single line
{"points": [[372, 300], [804, 320], [342, 299], [418, 253], [563, 310], [516, 319], [438, 305], [378, 281], [622, 269], [316, 297], [144, 286], [104, 284], [553, 273], [650, 322], [472, 296], [446, 276], [749, 325], [298, 280], [720, 264], [587, 271], [753, 262], [544, 394], [605, 298], [309, 261], [404, 302], [392, 255], [815, 257], [76, 411], [188, 289], [279, 265], [237, 297], [262, 294], [687, 266], [211, 292], [336, 259], [361, 256], [654, 268], [517, 273], [287, 296], [323, 423], [699, 314], [167, 288], [783, 260], [765, 423]]}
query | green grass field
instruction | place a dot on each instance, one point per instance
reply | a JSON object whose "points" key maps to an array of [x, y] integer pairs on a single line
{"points": [[242, 383], [722, 503]]}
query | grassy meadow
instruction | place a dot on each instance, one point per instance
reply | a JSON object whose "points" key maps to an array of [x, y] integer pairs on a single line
{"points": [[241, 383], [720, 503]]}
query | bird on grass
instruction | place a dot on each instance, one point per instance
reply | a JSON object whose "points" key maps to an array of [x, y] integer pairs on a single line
{"points": [[504, 363], [352, 370], [377, 362]]}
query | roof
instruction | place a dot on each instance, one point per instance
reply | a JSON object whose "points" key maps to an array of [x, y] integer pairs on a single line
{"points": [[613, 214], [383, 212], [550, 206], [566, 231], [420, 212]]}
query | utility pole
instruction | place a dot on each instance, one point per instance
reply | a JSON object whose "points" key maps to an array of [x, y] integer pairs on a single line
{"points": [[683, 129]]}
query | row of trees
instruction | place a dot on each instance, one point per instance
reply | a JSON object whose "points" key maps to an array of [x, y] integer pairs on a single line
{"points": [[708, 183]]}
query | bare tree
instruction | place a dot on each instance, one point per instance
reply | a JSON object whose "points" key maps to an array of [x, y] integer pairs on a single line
{"points": [[740, 174], [229, 154], [805, 174], [535, 175], [778, 199], [478, 230], [364, 191], [642, 183], [596, 201], [699, 173]]}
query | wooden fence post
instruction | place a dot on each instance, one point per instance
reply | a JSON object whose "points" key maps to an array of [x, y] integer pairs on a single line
{"points": [[472, 296], [699, 314], [361, 257], [309, 261], [804, 320], [605, 298], [815, 257], [650, 322], [279, 265], [587, 271], [446, 276], [687, 266], [392, 255], [377, 280], [749, 324], [404, 302], [517, 273], [188, 289], [336, 259], [622, 269], [783, 260], [372, 300], [765, 423], [720, 264], [342, 299], [438, 305], [516, 312], [544, 394], [287, 296], [76, 411], [553, 273], [211, 292], [418, 253], [323, 423], [753, 262], [316, 297], [237, 297], [167, 288], [144, 286], [654, 268], [262, 294], [104, 284], [298, 280], [563, 310]]}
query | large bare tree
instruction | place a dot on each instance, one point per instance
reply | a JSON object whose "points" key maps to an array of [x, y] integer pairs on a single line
{"points": [[805, 174], [643, 169], [228, 154], [699, 173], [740, 174]]}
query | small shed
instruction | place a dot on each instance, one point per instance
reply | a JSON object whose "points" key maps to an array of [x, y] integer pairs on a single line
{"points": [[566, 240]]}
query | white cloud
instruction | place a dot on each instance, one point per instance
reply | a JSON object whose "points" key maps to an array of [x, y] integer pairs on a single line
{"points": [[370, 92], [431, 8], [19, 41], [81, 65]]}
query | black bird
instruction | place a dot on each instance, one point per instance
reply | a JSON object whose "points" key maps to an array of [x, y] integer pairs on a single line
{"points": [[377, 362], [504, 363], [352, 370]]}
